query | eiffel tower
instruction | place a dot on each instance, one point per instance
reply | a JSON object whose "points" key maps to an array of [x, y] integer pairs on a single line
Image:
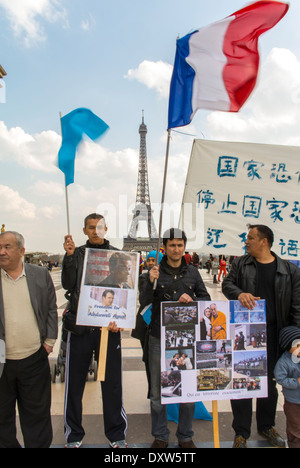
{"points": [[142, 211]]}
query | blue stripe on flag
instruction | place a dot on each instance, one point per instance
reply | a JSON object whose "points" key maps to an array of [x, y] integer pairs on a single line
{"points": [[181, 91]]}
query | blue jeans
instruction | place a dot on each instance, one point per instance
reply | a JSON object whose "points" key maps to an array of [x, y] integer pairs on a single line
{"points": [[160, 429]]}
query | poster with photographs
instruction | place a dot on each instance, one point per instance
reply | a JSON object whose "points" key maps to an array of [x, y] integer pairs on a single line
{"points": [[108, 289], [213, 351]]}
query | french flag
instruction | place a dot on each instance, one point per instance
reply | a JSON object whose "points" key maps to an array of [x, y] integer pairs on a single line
{"points": [[216, 66]]}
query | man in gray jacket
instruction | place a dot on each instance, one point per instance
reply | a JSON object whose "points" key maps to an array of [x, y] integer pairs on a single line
{"points": [[28, 330], [263, 275]]}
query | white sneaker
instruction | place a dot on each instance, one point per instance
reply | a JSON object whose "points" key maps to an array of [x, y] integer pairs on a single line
{"points": [[75, 445], [118, 444]]}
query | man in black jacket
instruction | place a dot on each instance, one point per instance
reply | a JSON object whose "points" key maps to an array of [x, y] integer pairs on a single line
{"points": [[263, 275], [83, 341], [176, 281]]}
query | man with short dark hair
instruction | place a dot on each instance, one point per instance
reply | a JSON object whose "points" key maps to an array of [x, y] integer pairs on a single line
{"points": [[120, 267], [83, 341], [108, 297], [176, 281], [28, 330], [263, 275]]}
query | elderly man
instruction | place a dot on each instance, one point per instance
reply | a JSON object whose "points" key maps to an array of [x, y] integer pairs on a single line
{"points": [[263, 275], [28, 326]]}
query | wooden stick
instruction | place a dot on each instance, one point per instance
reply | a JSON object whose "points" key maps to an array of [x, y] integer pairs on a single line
{"points": [[216, 424], [102, 355]]}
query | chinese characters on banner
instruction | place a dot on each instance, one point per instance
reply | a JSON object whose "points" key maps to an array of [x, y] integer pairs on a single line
{"points": [[213, 351], [242, 183]]}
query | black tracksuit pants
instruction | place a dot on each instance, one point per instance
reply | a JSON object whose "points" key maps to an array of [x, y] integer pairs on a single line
{"points": [[79, 354]]}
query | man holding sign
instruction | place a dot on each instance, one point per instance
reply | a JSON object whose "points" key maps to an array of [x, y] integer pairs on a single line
{"points": [[176, 281], [261, 274], [83, 341]]}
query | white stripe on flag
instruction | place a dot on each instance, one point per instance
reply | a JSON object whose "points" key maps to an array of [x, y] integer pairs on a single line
{"points": [[207, 59]]}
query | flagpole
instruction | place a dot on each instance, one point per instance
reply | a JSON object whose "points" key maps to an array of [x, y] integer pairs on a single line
{"points": [[66, 192], [162, 201]]}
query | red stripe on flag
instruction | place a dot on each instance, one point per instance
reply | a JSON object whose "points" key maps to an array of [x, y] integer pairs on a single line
{"points": [[241, 47]]}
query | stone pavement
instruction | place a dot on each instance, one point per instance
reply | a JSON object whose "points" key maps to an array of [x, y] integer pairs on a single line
{"points": [[135, 398]]}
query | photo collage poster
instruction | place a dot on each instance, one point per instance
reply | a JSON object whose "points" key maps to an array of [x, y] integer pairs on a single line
{"points": [[108, 289], [213, 350]]}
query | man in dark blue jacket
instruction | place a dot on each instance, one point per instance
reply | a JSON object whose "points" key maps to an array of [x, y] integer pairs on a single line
{"points": [[176, 281]]}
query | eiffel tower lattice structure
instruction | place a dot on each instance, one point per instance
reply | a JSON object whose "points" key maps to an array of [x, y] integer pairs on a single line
{"points": [[142, 212]]}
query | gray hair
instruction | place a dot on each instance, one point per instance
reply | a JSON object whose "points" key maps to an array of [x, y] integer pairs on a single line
{"points": [[19, 238]]}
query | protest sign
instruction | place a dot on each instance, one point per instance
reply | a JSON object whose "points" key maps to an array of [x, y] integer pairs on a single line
{"points": [[236, 184], [108, 289], [213, 351]]}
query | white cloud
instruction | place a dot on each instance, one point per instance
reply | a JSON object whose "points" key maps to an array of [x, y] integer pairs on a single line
{"points": [[50, 212], [46, 189], [38, 152], [155, 75], [25, 17], [272, 114], [12, 202], [87, 24]]}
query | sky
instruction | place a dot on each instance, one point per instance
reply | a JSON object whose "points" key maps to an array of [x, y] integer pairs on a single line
{"points": [[116, 58]]}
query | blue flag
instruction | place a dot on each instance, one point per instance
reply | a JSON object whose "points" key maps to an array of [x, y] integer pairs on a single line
{"points": [[74, 126], [147, 314]]}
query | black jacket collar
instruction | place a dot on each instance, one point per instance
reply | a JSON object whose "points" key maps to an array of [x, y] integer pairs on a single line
{"points": [[167, 269], [104, 246], [281, 264]]}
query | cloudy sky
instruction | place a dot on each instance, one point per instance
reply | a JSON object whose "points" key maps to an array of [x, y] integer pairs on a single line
{"points": [[116, 58]]}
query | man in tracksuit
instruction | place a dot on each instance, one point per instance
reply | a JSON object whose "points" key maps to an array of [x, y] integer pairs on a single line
{"points": [[83, 341], [176, 281]]}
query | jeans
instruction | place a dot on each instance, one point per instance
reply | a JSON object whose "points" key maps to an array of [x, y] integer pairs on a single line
{"points": [[160, 429]]}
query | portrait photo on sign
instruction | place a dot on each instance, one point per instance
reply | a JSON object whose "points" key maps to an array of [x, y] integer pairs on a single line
{"points": [[111, 269], [214, 320], [108, 289], [111, 302]]}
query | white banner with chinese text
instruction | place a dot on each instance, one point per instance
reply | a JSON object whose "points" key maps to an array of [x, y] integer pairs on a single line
{"points": [[244, 183]]}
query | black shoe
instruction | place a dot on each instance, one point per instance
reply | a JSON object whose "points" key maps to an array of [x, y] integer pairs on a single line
{"points": [[239, 442], [186, 444], [159, 444], [273, 437]]}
